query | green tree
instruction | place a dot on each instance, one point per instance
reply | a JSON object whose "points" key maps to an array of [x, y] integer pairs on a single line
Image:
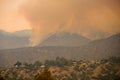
{"points": [[37, 64], [76, 68], [58, 62], [74, 76]]}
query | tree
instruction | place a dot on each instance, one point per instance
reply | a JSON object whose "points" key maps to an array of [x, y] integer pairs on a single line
{"points": [[108, 72], [17, 64], [76, 68], [61, 62], [37, 64], [45, 75], [1, 78], [74, 76]]}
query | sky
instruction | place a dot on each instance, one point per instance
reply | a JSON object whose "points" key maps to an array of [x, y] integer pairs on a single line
{"points": [[10, 18], [91, 18]]}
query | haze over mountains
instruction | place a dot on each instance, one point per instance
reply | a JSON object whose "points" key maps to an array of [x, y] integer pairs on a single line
{"points": [[14, 40], [65, 39], [93, 50], [20, 39]]}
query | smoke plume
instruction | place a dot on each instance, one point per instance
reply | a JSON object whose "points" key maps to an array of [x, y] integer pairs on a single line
{"points": [[89, 18]]}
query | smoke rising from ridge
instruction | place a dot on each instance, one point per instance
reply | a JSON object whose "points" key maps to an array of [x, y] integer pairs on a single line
{"points": [[86, 17]]}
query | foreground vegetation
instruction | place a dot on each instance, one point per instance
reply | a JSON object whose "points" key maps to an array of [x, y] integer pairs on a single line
{"points": [[63, 69]]}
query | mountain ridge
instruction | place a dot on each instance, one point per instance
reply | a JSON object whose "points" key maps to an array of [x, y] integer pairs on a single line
{"points": [[65, 39], [11, 40], [97, 49]]}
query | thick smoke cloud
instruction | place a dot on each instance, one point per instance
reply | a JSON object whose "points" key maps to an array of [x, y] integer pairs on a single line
{"points": [[90, 18], [10, 17]]}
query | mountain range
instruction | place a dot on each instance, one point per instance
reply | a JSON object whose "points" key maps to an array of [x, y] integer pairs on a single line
{"points": [[96, 49], [14, 40], [20, 39], [65, 39]]}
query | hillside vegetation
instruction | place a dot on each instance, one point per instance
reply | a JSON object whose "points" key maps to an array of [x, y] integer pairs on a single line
{"points": [[63, 69]]}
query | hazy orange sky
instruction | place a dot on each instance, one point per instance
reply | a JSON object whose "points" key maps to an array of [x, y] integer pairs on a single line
{"points": [[90, 18], [10, 18]]}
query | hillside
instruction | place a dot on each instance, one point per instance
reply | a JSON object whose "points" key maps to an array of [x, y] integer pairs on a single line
{"points": [[63, 69], [20, 39], [103, 47], [22, 33], [94, 50], [14, 40]]}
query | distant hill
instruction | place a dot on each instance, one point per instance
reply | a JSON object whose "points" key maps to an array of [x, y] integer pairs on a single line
{"points": [[65, 39], [22, 33], [14, 40], [94, 50], [20, 39], [102, 48]]}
